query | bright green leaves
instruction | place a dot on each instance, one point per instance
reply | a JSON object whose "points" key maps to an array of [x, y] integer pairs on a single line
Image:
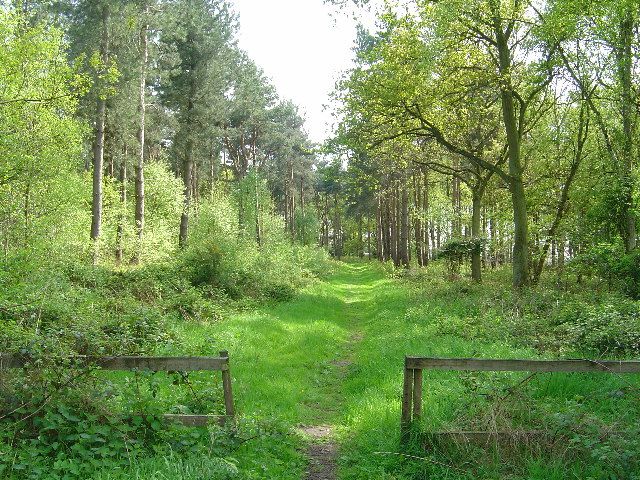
{"points": [[40, 139]]}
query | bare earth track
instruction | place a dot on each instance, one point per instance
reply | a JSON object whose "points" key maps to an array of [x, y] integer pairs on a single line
{"points": [[322, 452], [323, 447]]}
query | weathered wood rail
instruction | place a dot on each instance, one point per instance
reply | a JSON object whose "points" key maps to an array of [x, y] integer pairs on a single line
{"points": [[414, 366], [156, 364]]}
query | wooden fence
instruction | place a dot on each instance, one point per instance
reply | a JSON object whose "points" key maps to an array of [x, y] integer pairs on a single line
{"points": [[413, 367], [157, 364]]}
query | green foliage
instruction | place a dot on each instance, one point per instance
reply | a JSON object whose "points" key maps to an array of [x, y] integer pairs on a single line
{"points": [[41, 142], [461, 249], [609, 262], [457, 250], [68, 441], [223, 253]]}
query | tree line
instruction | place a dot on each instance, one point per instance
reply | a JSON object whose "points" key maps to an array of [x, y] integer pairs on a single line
{"points": [[494, 130], [153, 103]]}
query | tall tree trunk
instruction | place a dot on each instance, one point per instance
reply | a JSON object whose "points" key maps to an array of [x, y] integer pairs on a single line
{"points": [[485, 236], [257, 206], [360, 241], [561, 251], [624, 59], [404, 225], [187, 167], [418, 228], [393, 220], [388, 225], [369, 237], [476, 255], [380, 250], [425, 209], [290, 200], [520, 250], [337, 240], [98, 153], [325, 220], [456, 223], [123, 201], [142, 108], [187, 176], [493, 254]]}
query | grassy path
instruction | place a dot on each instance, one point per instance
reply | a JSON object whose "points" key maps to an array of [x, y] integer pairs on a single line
{"points": [[293, 361]]}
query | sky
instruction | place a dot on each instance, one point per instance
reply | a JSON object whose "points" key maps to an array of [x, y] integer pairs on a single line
{"points": [[303, 46]]}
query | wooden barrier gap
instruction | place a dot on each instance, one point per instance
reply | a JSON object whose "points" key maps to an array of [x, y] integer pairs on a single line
{"points": [[155, 364], [414, 366]]}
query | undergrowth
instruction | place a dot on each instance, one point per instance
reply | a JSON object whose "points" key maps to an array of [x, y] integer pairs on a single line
{"points": [[544, 426], [61, 419]]}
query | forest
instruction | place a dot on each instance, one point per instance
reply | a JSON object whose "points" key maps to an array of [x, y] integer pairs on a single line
{"points": [[477, 198]]}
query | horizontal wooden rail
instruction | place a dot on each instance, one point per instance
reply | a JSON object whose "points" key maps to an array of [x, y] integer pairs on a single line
{"points": [[485, 364], [155, 364], [413, 367], [197, 420]]}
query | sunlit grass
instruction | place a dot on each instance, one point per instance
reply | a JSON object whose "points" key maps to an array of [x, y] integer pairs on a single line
{"points": [[334, 355]]}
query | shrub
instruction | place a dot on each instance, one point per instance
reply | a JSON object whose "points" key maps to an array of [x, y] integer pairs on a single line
{"points": [[609, 262]]}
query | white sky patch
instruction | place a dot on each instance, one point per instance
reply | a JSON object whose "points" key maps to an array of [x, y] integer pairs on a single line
{"points": [[303, 46]]}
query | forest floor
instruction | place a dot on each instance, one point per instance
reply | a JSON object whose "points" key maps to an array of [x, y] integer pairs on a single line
{"points": [[328, 364]]}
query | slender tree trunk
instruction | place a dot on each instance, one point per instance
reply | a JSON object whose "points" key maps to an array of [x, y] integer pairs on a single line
{"points": [[561, 251], [425, 228], [485, 236], [476, 255], [123, 201], [434, 245], [139, 170], [456, 227], [404, 225], [187, 167], [380, 250], [386, 225], [27, 214], [369, 237], [98, 153], [393, 209], [187, 176], [583, 129], [417, 202], [494, 243], [325, 220], [337, 229], [257, 206]]}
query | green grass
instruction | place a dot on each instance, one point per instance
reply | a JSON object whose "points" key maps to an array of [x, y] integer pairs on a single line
{"points": [[334, 355]]}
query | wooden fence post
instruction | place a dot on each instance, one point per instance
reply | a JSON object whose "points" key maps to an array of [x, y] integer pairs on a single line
{"points": [[405, 422], [417, 394], [226, 387]]}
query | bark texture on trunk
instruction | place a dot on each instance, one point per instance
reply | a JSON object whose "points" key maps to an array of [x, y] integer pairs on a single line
{"points": [[520, 252], [98, 153]]}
